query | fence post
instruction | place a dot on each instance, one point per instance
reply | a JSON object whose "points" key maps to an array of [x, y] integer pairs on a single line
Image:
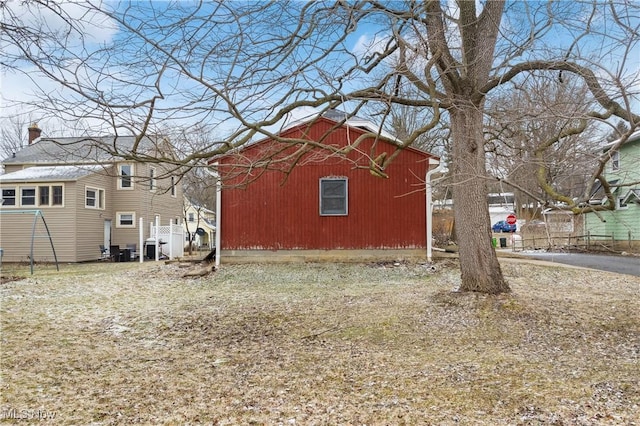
{"points": [[157, 237], [588, 240]]}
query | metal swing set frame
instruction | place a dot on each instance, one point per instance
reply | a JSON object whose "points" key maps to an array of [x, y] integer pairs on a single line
{"points": [[36, 214]]}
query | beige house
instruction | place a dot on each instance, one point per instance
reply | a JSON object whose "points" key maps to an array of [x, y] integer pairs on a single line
{"points": [[199, 226], [88, 197]]}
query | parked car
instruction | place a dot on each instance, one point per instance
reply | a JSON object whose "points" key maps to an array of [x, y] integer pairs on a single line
{"points": [[503, 226]]}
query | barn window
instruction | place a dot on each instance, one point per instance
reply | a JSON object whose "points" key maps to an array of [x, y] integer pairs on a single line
{"points": [[333, 197]]}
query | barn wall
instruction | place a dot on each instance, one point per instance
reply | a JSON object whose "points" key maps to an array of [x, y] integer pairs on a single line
{"points": [[280, 211]]}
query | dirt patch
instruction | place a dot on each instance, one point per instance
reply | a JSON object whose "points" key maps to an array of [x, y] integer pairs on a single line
{"points": [[319, 343]]}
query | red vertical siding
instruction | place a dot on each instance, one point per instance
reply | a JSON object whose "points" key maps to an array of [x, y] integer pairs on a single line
{"points": [[277, 211]]}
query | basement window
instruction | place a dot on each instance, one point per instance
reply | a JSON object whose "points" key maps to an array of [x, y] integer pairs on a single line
{"points": [[334, 197]]}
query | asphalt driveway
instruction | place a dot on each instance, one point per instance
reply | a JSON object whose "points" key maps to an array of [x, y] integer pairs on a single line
{"points": [[611, 263]]}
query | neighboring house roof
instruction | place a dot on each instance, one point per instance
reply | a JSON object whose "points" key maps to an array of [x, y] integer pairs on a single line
{"points": [[598, 194], [80, 150], [50, 173], [198, 207], [634, 136], [633, 196]]}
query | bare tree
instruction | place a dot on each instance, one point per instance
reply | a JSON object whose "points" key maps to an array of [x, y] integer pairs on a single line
{"points": [[13, 136], [245, 67], [521, 120]]}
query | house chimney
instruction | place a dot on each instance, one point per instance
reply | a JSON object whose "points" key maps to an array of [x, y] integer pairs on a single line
{"points": [[34, 132]]}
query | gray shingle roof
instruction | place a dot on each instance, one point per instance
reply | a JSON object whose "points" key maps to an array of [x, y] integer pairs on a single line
{"points": [[79, 150]]}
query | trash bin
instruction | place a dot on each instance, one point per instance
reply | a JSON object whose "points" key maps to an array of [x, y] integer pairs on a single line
{"points": [[125, 255], [150, 248], [114, 252], [503, 242], [494, 243]]}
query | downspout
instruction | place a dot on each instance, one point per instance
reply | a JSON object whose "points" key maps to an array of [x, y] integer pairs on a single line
{"points": [[216, 175], [441, 168]]}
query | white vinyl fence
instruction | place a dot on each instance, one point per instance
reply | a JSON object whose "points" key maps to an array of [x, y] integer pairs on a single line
{"points": [[168, 240]]}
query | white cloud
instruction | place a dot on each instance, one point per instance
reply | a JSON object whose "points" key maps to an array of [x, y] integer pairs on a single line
{"points": [[58, 17], [80, 24], [367, 45]]}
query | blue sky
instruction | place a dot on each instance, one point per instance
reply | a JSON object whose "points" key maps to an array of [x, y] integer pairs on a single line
{"points": [[100, 31]]}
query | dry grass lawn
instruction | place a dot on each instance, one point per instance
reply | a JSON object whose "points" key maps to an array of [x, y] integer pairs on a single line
{"points": [[318, 344]]}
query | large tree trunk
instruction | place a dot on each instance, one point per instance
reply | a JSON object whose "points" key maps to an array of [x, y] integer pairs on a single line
{"points": [[480, 270]]}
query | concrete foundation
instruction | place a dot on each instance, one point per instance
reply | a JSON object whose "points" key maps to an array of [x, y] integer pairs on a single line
{"points": [[301, 256]]}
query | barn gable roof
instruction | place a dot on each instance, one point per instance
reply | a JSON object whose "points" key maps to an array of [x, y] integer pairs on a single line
{"points": [[333, 117]]}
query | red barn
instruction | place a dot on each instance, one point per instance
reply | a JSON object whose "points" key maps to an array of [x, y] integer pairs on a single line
{"points": [[327, 198]]}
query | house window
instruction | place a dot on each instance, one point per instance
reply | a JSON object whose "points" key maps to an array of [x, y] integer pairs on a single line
{"points": [[615, 161], [173, 186], [126, 173], [49, 195], [126, 220], [8, 197], [620, 204], [94, 198], [56, 199], [27, 196], [152, 178], [192, 217], [43, 195], [333, 197]]}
